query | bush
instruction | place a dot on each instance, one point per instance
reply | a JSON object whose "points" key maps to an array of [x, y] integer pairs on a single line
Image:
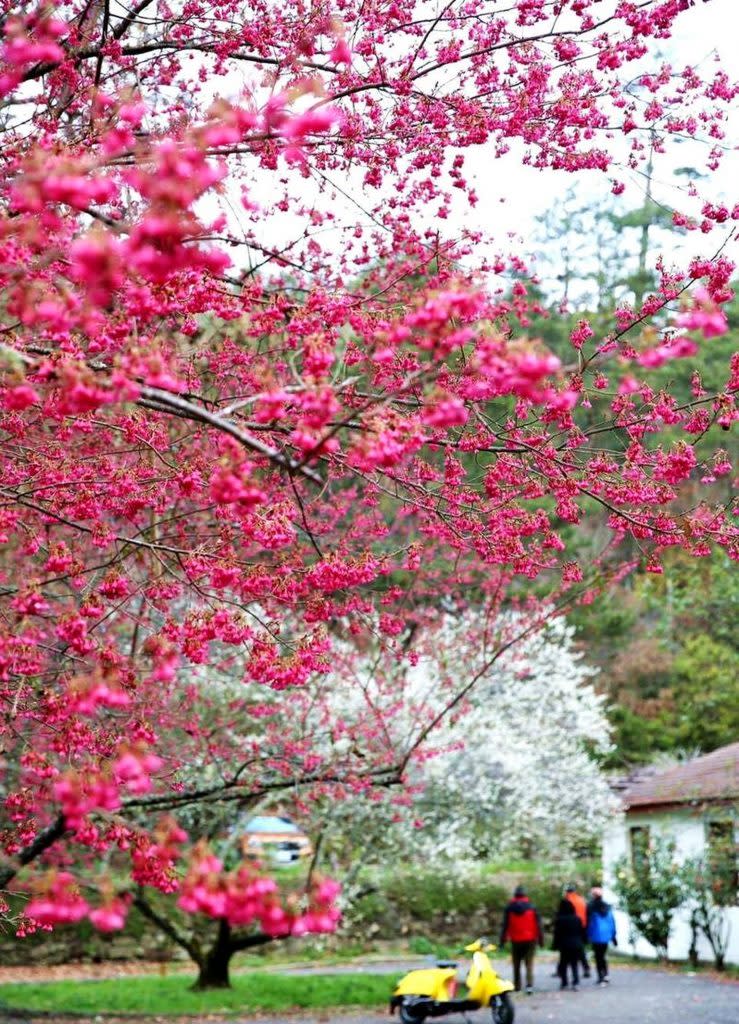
{"points": [[653, 894], [545, 894], [450, 906], [447, 905], [711, 895]]}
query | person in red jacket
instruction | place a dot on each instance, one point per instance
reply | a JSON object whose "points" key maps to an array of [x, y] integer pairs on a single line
{"points": [[522, 927]]}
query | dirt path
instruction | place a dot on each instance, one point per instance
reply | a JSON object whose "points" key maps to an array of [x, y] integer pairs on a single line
{"points": [[89, 971]]}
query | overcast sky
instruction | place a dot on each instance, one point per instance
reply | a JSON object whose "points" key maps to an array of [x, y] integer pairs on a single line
{"points": [[512, 196], [515, 195]]}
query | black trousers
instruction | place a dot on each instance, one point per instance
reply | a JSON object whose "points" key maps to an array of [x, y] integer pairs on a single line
{"points": [[601, 964], [583, 961], [523, 952], [571, 959]]}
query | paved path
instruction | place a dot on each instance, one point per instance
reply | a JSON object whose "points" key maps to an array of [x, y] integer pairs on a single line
{"points": [[635, 996]]}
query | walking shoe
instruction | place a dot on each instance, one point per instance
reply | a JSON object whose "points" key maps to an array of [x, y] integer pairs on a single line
{"points": [[529, 990], [575, 988]]}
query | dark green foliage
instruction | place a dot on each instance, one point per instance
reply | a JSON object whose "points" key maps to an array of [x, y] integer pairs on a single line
{"points": [[668, 650], [428, 903], [445, 907], [706, 689], [713, 889]]}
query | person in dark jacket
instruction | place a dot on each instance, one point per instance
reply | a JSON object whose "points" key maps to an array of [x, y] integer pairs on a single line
{"points": [[601, 929], [569, 936], [581, 909], [522, 927]]}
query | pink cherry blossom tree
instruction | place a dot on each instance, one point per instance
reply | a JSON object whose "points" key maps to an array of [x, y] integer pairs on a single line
{"points": [[257, 393]]}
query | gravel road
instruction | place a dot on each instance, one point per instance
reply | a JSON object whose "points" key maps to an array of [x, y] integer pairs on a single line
{"points": [[635, 996]]}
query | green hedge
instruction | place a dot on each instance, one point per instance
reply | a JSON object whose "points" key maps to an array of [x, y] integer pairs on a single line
{"points": [[441, 907]]}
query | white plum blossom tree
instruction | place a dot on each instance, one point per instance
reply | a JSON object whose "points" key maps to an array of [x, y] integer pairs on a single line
{"points": [[525, 775], [513, 767]]}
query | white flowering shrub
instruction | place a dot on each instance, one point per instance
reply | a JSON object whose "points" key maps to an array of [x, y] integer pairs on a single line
{"points": [[506, 766]]}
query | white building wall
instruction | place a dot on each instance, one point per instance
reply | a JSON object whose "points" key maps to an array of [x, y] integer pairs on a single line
{"points": [[689, 833]]}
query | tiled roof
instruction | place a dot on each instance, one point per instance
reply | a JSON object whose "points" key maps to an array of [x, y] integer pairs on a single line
{"points": [[712, 777]]}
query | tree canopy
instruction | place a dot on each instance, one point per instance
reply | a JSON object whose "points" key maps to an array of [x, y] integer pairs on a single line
{"points": [[242, 426]]}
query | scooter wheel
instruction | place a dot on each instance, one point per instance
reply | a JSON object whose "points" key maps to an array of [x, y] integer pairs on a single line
{"points": [[410, 1014], [502, 1009]]}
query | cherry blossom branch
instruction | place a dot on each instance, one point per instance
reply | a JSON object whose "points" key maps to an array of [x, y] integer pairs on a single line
{"points": [[43, 841], [235, 790], [191, 946], [165, 400]]}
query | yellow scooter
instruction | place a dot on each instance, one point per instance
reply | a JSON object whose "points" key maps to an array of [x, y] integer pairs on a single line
{"points": [[432, 992]]}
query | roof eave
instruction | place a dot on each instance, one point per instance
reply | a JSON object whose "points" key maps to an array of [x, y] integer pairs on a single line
{"points": [[691, 803]]}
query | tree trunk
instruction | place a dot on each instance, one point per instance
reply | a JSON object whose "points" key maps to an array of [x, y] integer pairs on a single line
{"points": [[693, 951], [214, 971], [214, 967], [641, 280]]}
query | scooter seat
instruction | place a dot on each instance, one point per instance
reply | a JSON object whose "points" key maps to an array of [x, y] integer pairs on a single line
{"points": [[447, 963]]}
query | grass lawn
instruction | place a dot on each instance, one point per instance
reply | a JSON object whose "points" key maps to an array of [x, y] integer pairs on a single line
{"points": [[161, 996]]}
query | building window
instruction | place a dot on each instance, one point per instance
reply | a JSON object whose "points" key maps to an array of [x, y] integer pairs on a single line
{"points": [[639, 840], [722, 862]]}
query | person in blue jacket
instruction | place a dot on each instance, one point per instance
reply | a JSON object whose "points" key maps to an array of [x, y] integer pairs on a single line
{"points": [[601, 929]]}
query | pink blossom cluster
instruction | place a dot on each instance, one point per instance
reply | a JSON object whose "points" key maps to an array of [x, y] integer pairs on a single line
{"points": [[445, 410], [676, 465], [82, 792], [681, 347], [390, 440], [134, 767], [154, 857], [294, 669], [704, 315], [109, 916], [503, 369], [58, 901], [245, 897], [234, 484], [87, 695], [29, 40]]}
